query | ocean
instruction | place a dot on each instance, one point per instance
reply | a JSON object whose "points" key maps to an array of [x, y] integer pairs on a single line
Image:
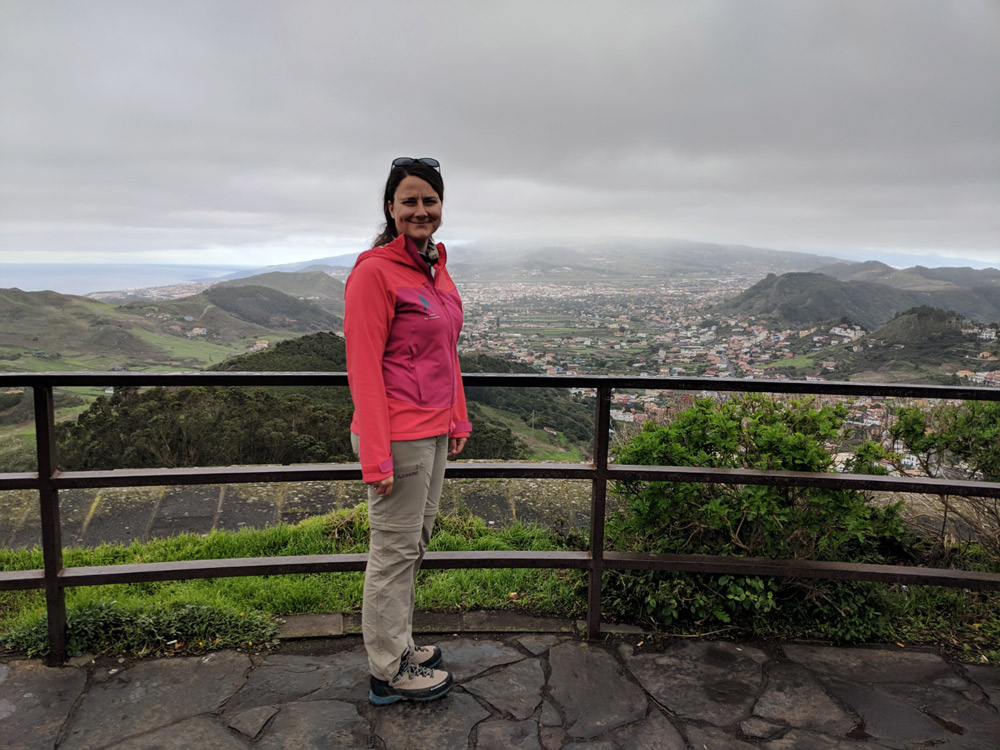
{"points": [[83, 278]]}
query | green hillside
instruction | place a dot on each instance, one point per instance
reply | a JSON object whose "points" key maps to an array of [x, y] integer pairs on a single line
{"points": [[318, 352], [269, 307], [924, 326], [220, 426], [801, 299], [47, 331], [314, 286], [523, 410], [922, 345]]}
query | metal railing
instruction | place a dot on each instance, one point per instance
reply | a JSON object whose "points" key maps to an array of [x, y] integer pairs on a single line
{"points": [[54, 578]]}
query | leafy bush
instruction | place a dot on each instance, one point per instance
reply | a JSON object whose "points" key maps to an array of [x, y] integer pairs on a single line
{"points": [[106, 627], [752, 432]]}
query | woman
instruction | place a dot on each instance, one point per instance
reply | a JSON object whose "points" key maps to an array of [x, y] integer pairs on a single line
{"points": [[402, 318]]}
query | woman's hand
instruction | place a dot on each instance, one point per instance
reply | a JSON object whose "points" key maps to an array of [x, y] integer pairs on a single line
{"points": [[383, 488], [455, 446]]}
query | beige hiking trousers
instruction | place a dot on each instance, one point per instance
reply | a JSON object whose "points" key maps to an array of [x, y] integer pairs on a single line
{"points": [[401, 526]]}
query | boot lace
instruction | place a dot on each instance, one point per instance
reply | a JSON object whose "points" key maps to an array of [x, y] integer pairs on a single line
{"points": [[412, 670]]}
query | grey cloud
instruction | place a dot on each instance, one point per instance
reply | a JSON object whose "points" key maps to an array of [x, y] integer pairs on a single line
{"points": [[192, 124]]}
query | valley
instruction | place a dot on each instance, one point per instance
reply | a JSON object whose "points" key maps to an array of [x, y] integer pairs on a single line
{"points": [[631, 310], [571, 314]]}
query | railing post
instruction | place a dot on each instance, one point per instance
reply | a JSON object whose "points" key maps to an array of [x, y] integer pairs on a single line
{"points": [[48, 496], [598, 498]]}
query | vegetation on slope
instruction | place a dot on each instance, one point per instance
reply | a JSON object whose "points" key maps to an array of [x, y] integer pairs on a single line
{"points": [[205, 615], [800, 299], [752, 431], [315, 286], [198, 426], [269, 307], [921, 345], [46, 331], [542, 407]]}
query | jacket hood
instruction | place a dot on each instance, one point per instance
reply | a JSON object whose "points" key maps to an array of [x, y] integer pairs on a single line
{"points": [[403, 250]]}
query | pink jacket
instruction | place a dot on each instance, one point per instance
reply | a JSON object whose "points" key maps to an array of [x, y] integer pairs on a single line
{"points": [[401, 326]]}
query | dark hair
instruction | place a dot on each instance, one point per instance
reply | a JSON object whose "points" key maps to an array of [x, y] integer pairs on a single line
{"points": [[428, 174]]}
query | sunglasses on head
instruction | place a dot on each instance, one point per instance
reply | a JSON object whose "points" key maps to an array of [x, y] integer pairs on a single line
{"points": [[406, 161]]}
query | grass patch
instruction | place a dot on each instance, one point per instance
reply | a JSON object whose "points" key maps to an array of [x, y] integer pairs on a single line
{"points": [[567, 454], [543, 446], [185, 349], [963, 623], [800, 362], [17, 449], [207, 614], [203, 615]]}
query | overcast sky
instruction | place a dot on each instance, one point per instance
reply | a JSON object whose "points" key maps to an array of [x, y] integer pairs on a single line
{"points": [[259, 132]]}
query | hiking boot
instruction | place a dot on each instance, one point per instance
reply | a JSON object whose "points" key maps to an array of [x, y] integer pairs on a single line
{"points": [[425, 656], [411, 683]]}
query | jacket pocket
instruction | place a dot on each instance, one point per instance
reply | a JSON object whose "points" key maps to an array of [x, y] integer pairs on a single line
{"points": [[403, 509]]}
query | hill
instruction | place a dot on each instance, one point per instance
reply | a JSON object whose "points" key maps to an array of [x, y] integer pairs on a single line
{"points": [[262, 305], [318, 352], [923, 326], [525, 410], [917, 278], [801, 299], [51, 331], [43, 331], [310, 285], [920, 345], [870, 270], [221, 426]]}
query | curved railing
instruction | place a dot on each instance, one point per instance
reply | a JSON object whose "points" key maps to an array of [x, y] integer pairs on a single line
{"points": [[54, 578]]}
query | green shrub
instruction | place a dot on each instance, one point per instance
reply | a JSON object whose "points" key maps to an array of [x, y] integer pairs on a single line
{"points": [[752, 432], [105, 627]]}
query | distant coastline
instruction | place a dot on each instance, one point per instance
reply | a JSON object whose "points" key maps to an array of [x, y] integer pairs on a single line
{"points": [[86, 278]]}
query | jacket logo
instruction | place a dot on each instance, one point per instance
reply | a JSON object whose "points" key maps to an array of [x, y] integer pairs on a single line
{"points": [[428, 308]]}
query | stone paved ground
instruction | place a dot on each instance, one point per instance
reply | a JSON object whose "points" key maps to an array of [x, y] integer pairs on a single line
{"points": [[525, 691]]}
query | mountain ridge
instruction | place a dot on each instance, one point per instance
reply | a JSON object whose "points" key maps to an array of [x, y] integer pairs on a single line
{"points": [[801, 299], [916, 278]]}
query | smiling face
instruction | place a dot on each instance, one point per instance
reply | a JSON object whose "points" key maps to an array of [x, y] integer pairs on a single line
{"points": [[416, 210]]}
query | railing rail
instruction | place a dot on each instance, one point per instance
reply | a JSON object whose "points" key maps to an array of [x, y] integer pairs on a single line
{"points": [[54, 578]]}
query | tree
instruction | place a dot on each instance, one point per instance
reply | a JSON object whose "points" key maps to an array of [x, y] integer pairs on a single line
{"points": [[197, 426], [963, 442]]}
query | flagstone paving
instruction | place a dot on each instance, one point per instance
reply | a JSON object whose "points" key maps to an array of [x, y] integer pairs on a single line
{"points": [[514, 691]]}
